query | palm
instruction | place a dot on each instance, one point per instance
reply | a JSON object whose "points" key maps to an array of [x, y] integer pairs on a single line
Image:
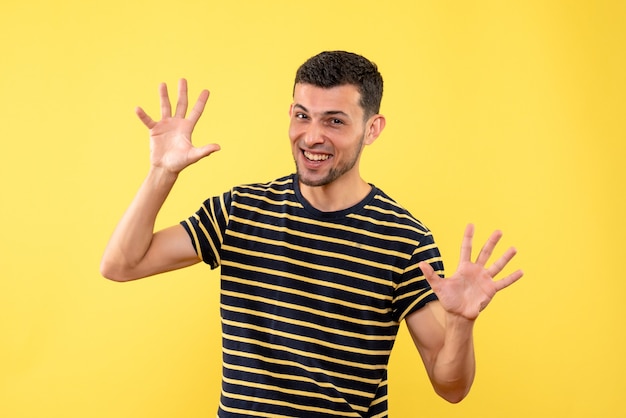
{"points": [[170, 144], [470, 289], [170, 138]]}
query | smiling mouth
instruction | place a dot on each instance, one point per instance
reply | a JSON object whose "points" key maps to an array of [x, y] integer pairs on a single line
{"points": [[316, 157]]}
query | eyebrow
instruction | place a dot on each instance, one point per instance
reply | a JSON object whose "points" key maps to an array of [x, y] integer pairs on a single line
{"points": [[326, 113]]}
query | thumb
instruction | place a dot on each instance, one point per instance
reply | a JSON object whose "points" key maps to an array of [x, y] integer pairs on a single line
{"points": [[429, 274], [196, 154]]}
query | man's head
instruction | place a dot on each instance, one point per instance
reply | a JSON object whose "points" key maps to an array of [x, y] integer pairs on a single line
{"points": [[337, 68], [334, 115]]}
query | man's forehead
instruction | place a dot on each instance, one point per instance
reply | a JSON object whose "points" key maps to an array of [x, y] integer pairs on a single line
{"points": [[339, 98]]}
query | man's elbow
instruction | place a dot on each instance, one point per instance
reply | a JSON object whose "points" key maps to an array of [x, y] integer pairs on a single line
{"points": [[113, 272], [453, 395]]}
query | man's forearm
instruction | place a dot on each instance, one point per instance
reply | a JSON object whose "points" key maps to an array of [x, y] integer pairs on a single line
{"points": [[455, 366]]}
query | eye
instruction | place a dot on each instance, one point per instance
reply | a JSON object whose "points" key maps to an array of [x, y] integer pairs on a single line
{"points": [[301, 116], [335, 121]]}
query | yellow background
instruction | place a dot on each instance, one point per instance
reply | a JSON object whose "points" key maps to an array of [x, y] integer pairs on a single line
{"points": [[509, 114]]}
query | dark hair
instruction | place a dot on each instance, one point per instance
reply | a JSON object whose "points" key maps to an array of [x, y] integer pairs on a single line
{"points": [[337, 68]]}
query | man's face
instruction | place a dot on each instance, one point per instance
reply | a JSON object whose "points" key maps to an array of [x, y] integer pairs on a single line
{"points": [[327, 133]]}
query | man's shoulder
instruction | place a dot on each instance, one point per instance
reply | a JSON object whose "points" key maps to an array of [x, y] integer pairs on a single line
{"points": [[279, 185], [275, 193], [385, 208]]}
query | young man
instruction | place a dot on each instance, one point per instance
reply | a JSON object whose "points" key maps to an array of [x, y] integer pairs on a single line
{"points": [[319, 268]]}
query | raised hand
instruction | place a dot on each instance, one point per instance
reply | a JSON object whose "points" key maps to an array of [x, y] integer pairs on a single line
{"points": [[470, 289], [170, 138]]}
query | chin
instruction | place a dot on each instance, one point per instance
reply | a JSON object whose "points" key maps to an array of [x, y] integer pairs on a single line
{"points": [[311, 182]]}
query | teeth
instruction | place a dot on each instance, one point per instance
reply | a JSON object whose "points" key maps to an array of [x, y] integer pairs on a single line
{"points": [[316, 157]]}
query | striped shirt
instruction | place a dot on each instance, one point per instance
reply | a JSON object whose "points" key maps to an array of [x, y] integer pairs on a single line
{"points": [[310, 301]]}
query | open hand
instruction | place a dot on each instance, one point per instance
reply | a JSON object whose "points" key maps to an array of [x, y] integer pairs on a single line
{"points": [[470, 289], [170, 138]]}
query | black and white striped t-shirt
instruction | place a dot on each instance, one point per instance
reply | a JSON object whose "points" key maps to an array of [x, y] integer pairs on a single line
{"points": [[311, 301]]}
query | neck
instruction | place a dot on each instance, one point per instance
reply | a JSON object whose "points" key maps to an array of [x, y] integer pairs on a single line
{"points": [[335, 196]]}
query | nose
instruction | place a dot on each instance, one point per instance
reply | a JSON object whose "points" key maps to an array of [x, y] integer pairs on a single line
{"points": [[313, 135]]}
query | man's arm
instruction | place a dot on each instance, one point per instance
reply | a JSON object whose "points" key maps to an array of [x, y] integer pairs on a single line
{"points": [[447, 350], [134, 250], [443, 330]]}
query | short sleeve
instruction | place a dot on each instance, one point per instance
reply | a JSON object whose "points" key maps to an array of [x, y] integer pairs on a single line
{"points": [[207, 226], [412, 291]]}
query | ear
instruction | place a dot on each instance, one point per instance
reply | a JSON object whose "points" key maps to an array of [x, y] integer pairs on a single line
{"points": [[374, 127], [290, 109]]}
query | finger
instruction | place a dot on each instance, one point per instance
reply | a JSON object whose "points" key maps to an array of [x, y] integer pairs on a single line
{"points": [[201, 152], [181, 105], [166, 107], [508, 280], [501, 262], [429, 274], [466, 244], [143, 116], [487, 249], [198, 108]]}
